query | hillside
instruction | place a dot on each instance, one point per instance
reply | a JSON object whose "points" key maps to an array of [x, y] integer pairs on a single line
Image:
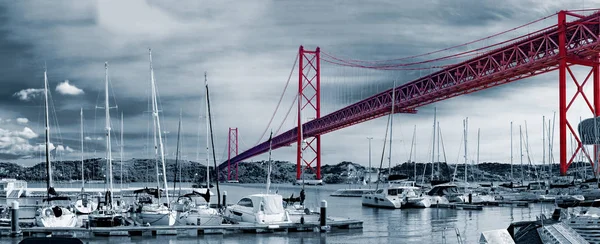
{"points": [[143, 170]]}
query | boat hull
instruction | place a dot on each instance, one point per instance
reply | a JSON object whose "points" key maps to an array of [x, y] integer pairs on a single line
{"points": [[375, 201], [47, 217], [81, 208], [163, 218], [106, 220], [201, 216], [351, 192], [420, 202]]}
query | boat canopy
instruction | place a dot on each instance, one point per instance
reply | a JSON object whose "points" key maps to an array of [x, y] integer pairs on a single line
{"points": [[269, 204], [443, 190], [149, 191], [205, 195], [61, 198]]}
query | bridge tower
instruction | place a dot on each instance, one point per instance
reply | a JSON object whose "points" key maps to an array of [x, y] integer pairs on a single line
{"points": [[232, 145], [565, 73], [309, 107]]}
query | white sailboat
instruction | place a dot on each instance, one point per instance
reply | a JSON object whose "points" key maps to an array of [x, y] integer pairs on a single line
{"points": [[157, 213], [264, 208], [194, 212], [84, 204], [52, 215], [398, 193]]}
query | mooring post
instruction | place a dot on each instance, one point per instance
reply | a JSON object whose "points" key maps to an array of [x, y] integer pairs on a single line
{"points": [[224, 198], [15, 229], [323, 216], [470, 198]]}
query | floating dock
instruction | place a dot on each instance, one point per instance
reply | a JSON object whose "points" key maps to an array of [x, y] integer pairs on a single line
{"points": [[187, 230], [460, 206]]}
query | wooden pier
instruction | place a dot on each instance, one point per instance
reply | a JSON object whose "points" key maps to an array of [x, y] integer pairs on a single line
{"points": [[187, 230]]}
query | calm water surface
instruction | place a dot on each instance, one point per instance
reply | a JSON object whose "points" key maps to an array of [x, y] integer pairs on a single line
{"points": [[380, 225]]}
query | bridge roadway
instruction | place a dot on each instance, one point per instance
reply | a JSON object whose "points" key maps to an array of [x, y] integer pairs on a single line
{"points": [[530, 55]]}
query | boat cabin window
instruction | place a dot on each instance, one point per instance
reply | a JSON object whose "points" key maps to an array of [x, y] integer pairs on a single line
{"points": [[379, 191], [246, 202], [394, 192]]}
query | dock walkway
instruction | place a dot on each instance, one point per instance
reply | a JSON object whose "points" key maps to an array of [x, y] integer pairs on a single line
{"points": [[187, 230]]}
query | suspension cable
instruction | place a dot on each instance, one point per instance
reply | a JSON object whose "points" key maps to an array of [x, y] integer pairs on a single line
{"points": [[280, 98], [460, 45]]}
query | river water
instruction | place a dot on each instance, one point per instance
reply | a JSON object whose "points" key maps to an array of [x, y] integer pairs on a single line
{"points": [[429, 225]]}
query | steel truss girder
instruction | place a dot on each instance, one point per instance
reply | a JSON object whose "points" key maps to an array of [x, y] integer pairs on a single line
{"points": [[530, 56]]}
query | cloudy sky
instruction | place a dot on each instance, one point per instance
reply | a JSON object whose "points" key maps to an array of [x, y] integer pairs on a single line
{"points": [[248, 49]]}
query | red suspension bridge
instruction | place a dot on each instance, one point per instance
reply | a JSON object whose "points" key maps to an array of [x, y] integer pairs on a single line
{"points": [[572, 41]]}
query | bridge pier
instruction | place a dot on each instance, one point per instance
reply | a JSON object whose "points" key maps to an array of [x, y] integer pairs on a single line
{"points": [[232, 151], [309, 99], [566, 61]]}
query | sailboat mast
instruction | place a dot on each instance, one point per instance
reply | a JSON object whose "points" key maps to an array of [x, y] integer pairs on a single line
{"points": [[82, 166], [521, 152], [301, 142], [108, 146], [162, 149], [122, 145], [155, 153], [412, 144], [433, 142], [544, 142], [269, 163], [48, 164], [465, 135], [391, 128], [177, 155], [207, 136], [478, 139], [439, 132], [511, 151]]}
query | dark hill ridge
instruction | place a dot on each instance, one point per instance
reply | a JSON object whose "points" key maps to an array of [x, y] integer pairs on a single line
{"points": [[143, 170]]}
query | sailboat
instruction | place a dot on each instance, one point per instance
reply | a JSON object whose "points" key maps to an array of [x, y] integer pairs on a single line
{"points": [[399, 193], [191, 212], [109, 215], [155, 213], [84, 204], [52, 215]]}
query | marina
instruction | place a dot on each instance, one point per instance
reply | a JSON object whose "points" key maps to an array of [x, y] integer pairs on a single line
{"points": [[112, 126]]}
